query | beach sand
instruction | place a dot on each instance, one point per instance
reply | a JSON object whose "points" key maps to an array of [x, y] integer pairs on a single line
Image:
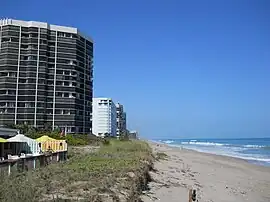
{"points": [[216, 178]]}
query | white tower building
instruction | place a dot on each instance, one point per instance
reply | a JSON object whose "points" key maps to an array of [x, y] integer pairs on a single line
{"points": [[104, 117]]}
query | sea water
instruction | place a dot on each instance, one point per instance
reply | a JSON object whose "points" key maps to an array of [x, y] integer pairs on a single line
{"points": [[255, 150]]}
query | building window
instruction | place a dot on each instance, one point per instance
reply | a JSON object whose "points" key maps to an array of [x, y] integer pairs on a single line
{"points": [[32, 47], [72, 62], [25, 35], [42, 41], [60, 34], [68, 35], [3, 111], [49, 111], [11, 104], [66, 112], [29, 105], [11, 92], [66, 94], [22, 80], [59, 72], [58, 111], [23, 46], [34, 35], [12, 74], [29, 57], [73, 95], [3, 104], [51, 43], [4, 74], [74, 73]]}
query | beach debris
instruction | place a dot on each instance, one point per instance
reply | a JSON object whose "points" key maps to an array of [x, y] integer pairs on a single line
{"points": [[190, 174], [198, 185], [192, 195], [131, 174], [243, 192]]}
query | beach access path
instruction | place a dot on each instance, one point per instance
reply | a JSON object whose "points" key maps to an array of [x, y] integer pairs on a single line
{"points": [[216, 178]]}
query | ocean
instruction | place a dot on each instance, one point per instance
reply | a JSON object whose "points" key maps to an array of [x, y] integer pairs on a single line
{"points": [[254, 150]]}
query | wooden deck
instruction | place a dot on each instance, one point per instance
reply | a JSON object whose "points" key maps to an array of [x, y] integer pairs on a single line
{"points": [[9, 166]]}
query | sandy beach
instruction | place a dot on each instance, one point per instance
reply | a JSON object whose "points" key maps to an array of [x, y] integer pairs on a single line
{"points": [[216, 178]]}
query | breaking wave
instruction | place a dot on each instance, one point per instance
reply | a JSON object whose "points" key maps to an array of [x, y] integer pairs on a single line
{"points": [[168, 141], [254, 146], [249, 149], [203, 143]]}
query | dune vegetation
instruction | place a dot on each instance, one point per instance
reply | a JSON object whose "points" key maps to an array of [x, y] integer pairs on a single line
{"points": [[115, 171]]}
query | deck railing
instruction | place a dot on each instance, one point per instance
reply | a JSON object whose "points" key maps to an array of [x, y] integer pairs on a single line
{"points": [[25, 163]]}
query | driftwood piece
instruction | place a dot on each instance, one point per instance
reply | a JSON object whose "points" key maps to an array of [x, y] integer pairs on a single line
{"points": [[192, 195]]}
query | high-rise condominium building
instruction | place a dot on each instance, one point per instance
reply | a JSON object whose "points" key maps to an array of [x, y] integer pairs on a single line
{"points": [[121, 119], [104, 117], [46, 76]]}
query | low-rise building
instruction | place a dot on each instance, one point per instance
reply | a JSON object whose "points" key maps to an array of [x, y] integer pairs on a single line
{"points": [[133, 135]]}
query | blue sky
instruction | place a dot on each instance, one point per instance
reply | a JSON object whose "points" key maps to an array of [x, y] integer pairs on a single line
{"points": [[181, 68]]}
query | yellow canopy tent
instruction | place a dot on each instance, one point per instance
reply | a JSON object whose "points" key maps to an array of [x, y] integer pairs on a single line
{"points": [[47, 143], [2, 140], [45, 138]]}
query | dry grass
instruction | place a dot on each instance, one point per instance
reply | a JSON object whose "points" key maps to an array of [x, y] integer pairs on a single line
{"points": [[116, 172]]}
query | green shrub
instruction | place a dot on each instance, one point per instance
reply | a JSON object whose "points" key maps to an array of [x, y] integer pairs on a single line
{"points": [[161, 156], [106, 141], [72, 139], [124, 137]]}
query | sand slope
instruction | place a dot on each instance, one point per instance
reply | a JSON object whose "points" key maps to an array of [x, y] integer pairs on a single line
{"points": [[216, 178]]}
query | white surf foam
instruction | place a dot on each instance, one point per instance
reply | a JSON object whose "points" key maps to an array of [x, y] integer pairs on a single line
{"points": [[203, 143], [232, 152], [253, 146], [168, 141]]}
